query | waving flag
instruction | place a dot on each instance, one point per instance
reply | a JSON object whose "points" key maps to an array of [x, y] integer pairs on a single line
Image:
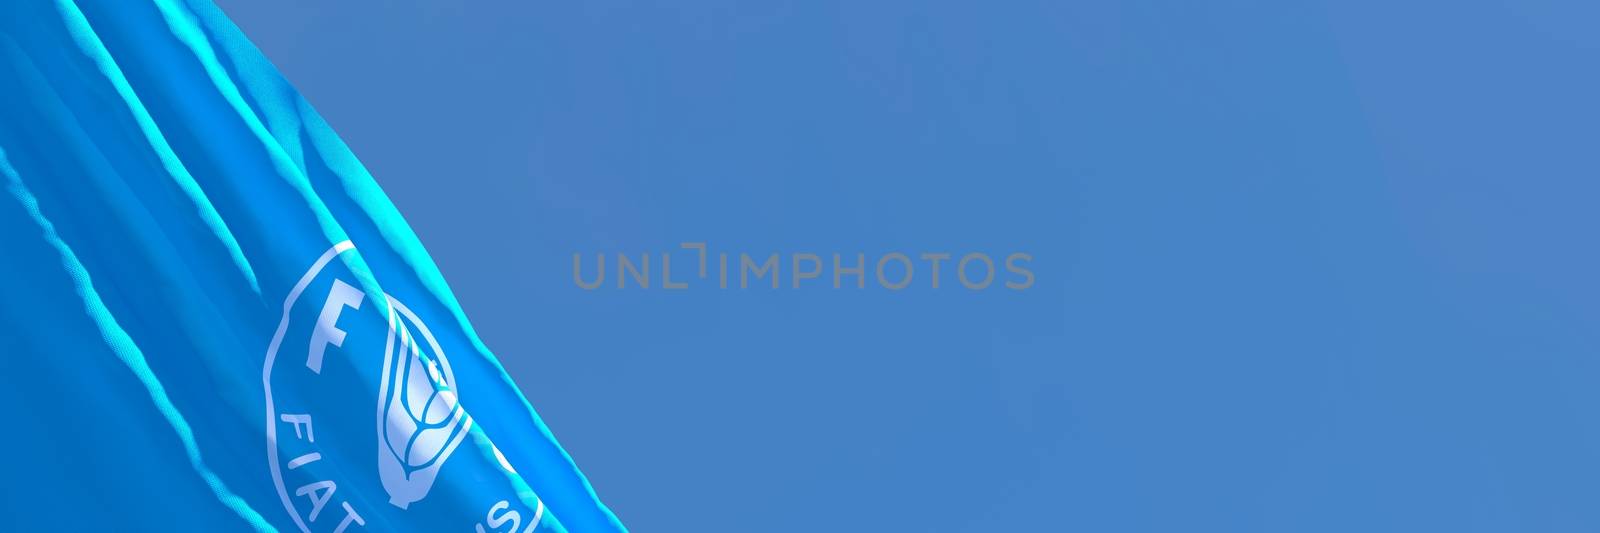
{"points": [[212, 319]]}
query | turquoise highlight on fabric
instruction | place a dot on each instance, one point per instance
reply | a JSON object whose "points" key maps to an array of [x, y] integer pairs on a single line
{"points": [[172, 192], [126, 350]]}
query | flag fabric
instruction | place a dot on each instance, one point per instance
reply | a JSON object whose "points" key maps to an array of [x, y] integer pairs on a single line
{"points": [[211, 317]]}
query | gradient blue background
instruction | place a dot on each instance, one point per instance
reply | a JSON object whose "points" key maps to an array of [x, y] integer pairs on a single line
{"points": [[1302, 266]]}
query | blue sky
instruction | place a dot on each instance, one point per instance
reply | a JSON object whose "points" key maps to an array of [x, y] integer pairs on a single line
{"points": [[1301, 266]]}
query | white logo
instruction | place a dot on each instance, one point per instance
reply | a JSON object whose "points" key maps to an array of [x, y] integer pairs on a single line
{"points": [[420, 421]]}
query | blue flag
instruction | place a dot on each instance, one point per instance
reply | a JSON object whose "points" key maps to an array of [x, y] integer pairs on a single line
{"points": [[211, 317]]}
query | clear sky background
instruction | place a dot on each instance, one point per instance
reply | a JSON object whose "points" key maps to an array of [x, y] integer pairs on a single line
{"points": [[1301, 266]]}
